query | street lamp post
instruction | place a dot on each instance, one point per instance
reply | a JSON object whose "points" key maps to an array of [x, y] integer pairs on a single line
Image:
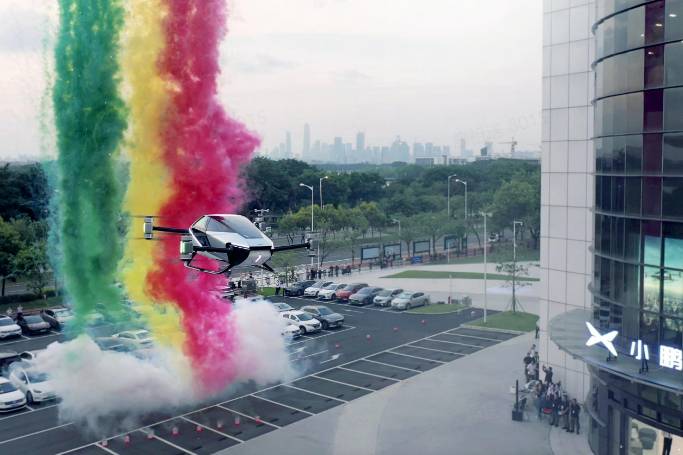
{"points": [[449, 194], [486, 240], [514, 262], [310, 187], [321, 190], [394, 220], [464, 183]]}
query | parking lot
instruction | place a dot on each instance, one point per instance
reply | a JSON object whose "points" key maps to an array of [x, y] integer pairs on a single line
{"points": [[375, 349]]}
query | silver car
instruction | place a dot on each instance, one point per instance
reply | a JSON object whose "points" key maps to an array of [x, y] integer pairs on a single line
{"points": [[407, 300], [327, 317], [385, 297]]}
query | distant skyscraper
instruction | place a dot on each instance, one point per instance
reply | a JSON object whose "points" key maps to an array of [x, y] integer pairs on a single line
{"points": [[418, 150], [307, 142], [338, 150], [288, 146], [463, 148], [360, 145]]}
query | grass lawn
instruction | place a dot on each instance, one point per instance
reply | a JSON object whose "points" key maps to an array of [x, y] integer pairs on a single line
{"points": [[34, 304], [456, 275], [267, 292], [522, 322], [437, 309]]}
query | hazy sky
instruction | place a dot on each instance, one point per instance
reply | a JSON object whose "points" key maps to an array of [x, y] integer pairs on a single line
{"points": [[429, 70]]}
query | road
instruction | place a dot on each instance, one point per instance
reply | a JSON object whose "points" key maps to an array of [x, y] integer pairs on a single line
{"points": [[375, 349]]}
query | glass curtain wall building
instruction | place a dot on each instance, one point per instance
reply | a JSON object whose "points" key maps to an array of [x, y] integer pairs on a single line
{"points": [[637, 249]]}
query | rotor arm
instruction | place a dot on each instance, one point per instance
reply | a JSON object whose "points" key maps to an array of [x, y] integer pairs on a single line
{"points": [[297, 246]]}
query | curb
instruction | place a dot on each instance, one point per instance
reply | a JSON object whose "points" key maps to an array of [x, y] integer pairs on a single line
{"points": [[493, 329]]}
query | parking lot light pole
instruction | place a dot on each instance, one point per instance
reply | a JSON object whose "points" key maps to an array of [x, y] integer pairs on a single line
{"points": [[514, 262], [449, 194], [321, 190], [486, 241], [464, 183], [310, 187]]}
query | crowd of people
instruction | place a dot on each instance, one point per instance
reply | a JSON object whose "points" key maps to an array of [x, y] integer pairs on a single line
{"points": [[551, 399]]}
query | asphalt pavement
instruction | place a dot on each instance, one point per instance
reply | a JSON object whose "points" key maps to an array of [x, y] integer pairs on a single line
{"points": [[376, 348]]}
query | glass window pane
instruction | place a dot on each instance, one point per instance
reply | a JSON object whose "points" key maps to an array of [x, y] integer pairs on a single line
{"points": [[671, 333], [631, 285], [651, 281], [672, 151], [652, 243], [618, 195], [673, 292], [632, 240], [672, 194], [654, 22], [632, 195], [652, 196], [673, 245], [673, 109], [618, 155], [673, 56], [674, 19], [654, 66], [649, 328], [633, 148], [653, 107], [652, 153]]}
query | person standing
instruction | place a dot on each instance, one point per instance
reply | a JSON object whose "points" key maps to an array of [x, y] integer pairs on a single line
{"points": [[668, 439], [548, 374], [564, 413], [277, 286], [574, 415]]}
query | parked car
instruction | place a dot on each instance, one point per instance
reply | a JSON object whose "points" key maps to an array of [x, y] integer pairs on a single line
{"points": [[30, 355], [329, 292], [297, 289], [8, 328], [35, 386], [407, 300], [327, 317], [112, 344], [291, 332], [32, 323], [365, 296], [312, 291], [7, 358], [345, 293], [385, 296], [11, 398], [57, 317], [306, 322], [135, 339], [282, 306]]}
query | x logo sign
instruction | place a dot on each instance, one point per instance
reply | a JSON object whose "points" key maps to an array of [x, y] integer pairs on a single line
{"points": [[605, 339]]}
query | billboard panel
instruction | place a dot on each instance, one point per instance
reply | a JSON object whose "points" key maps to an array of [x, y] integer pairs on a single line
{"points": [[392, 251], [371, 252], [423, 246]]}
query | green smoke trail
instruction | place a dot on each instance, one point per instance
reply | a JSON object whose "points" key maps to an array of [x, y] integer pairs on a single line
{"points": [[90, 121]]}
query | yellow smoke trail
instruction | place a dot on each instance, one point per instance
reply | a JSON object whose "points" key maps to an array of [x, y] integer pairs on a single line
{"points": [[146, 95]]}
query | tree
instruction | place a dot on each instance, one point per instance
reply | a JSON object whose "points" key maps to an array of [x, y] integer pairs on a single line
{"points": [[356, 225], [374, 215], [10, 245], [513, 270], [31, 264], [517, 200]]}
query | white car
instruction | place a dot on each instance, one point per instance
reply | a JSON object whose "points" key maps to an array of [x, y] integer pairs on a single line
{"points": [[312, 291], [291, 332], [57, 317], [8, 328], [30, 355], [303, 320], [10, 397], [35, 386], [282, 306], [385, 297], [135, 339], [329, 292], [407, 300]]}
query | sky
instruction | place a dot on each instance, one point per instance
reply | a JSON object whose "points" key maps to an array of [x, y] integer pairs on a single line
{"points": [[428, 71]]}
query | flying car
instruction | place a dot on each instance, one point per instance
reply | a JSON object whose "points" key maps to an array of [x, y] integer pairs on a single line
{"points": [[232, 240]]}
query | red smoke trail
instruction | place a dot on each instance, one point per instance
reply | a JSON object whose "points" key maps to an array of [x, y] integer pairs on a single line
{"points": [[203, 149]]}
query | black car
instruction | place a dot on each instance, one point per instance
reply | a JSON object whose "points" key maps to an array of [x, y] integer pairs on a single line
{"points": [[32, 323], [297, 289]]}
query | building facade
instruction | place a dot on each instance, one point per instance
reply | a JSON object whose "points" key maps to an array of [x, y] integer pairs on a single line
{"points": [[634, 402]]}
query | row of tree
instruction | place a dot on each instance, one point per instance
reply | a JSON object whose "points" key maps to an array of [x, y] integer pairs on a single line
{"points": [[23, 253]]}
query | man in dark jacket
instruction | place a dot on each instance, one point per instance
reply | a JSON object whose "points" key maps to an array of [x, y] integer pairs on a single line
{"points": [[574, 414], [548, 374]]}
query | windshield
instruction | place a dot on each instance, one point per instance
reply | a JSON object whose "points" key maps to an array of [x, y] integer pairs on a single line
{"points": [[36, 377], [7, 387], [304, 317], [366, 291], [63, 313], [351, 287], [6, 321], [330, 287], [33, 319], [318, 284], [385, 293], [237, 224], [405, 295], [324, 311]]}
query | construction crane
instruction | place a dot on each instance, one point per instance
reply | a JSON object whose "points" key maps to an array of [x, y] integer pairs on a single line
{"points": [[513, 144]]}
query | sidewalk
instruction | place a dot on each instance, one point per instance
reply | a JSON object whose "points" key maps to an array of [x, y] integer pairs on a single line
{"points": [[461, 407]]}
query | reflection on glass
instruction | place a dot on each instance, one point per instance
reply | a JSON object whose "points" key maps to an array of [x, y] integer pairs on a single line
{"points": [[673, 292], [651, 281], [671, 332], [673, 245], [644, 439], [652, 250], [649, 328]]}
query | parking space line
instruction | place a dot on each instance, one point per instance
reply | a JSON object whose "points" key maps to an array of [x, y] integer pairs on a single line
{"points": [[456, 342], [391, 365], [435, 350], [30, 408], [95, 444], [247, 416], [170, 443], [369, 374], [35, 433], [415, 357], [461, 334], [211, 429], [309, 355], [331, 332], [24, 337], [342, 383], [315, 393], [22, 413], [280, 404]]}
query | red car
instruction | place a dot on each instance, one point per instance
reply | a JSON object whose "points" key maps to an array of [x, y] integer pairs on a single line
{"points": [[345, 292]]}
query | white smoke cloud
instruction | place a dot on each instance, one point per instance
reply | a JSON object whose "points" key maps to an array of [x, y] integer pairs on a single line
{"points": [[110, 391]]}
